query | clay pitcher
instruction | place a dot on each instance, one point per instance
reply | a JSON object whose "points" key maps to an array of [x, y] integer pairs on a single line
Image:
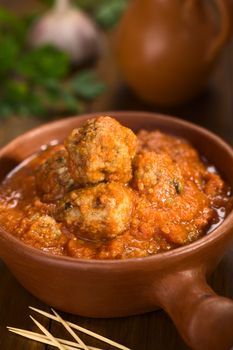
{"points": [[166, 49]]}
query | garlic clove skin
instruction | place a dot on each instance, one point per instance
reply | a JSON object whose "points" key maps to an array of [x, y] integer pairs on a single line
{"points": [[67, 29]]}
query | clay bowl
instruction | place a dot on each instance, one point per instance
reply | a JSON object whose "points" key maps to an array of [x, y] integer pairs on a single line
{"points": [[174, 281]]}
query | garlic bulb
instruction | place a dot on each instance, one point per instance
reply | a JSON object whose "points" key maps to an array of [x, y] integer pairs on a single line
{"points": [[67, 29]]}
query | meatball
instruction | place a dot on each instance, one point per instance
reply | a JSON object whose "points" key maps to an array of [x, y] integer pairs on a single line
{"points": [[99, 212], [101, 150], [53, 179], [214, 188], [180, 151], [43, 232], [180, 220], [157, 177], [189, 215]]}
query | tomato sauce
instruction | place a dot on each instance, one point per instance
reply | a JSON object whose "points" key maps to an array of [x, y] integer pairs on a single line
{"points": [[172, 198]]}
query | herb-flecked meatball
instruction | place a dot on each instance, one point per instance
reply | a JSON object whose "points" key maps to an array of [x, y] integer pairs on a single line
{"points": [[180, 151], [53, 179], [43, 232], [157, 177], [99, 212], [101, 150]]}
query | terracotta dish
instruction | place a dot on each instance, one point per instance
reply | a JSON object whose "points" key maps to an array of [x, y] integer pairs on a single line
{"points": [[174, 281]]}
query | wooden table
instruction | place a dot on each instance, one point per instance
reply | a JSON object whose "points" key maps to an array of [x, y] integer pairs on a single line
{"points": [[214, 110]]}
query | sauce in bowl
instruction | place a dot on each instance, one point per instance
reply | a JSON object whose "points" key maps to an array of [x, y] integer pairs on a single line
{"points": [[108, 194]]}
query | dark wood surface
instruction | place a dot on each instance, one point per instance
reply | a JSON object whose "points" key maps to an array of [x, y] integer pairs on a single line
{"points": [[214, 110]]}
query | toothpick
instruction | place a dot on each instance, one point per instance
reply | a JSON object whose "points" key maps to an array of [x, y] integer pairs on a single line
{"points": [[49, 335], [81, 329], [67, 327], [44, 339]]}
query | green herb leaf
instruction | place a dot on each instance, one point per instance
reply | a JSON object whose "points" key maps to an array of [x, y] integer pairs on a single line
{"points": [[70, 102], [44, 63], [88, 5], [178, 186], [15, 91], [6, 16], [109, 13], [86, 85], [8, 54], [11, 24], [5, 110], [36, 82]]}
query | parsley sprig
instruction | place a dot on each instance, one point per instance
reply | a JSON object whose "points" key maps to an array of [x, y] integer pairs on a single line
{"points": [[38, 81]]}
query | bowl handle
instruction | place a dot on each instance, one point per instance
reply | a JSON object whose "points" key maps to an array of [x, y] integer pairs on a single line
{"points": [[204, 319]]}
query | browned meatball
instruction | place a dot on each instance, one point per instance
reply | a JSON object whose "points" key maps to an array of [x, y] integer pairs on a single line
{"points": [[53, 179], [101, 150], [99, 212], [157, 176], [43, 232], [180, 151]]}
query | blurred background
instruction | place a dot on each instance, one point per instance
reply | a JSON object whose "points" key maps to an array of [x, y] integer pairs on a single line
{"points": [[61, 58]]}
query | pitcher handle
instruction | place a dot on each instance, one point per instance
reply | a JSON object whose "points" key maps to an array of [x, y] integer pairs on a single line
{"points": [[225, 28]]}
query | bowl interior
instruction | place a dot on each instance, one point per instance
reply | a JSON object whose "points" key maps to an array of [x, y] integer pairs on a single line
{"points": [[209, 145]]}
